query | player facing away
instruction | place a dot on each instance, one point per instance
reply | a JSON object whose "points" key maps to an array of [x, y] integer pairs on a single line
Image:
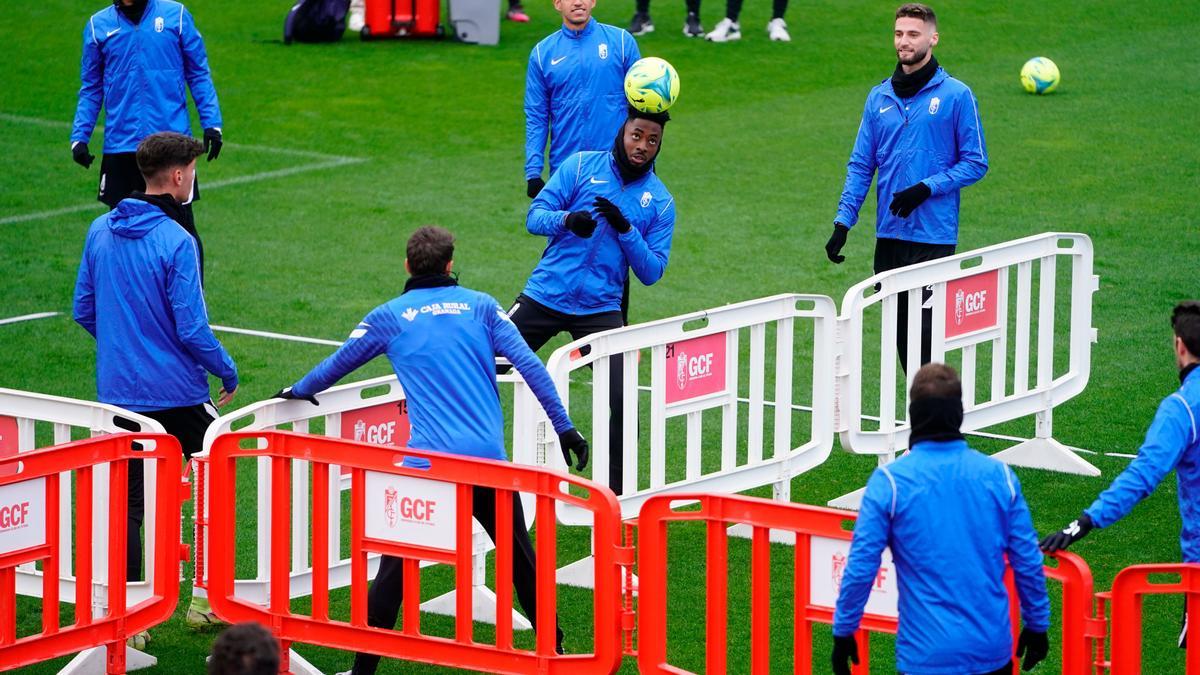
{"points": [[138, 56], [603, 214], [951, 516], [920, 134], [442, 340], [1172, 442], [574, 89]]}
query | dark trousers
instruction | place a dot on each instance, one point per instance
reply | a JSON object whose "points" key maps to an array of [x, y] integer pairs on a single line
{"points": [[891, 254], [387, 591], [1005, 669], [187, 424], [539, 323], [733, 8]]}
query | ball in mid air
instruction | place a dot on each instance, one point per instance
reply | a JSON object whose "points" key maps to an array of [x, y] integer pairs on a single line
{"points": [[651, 85], [1039, 75]]}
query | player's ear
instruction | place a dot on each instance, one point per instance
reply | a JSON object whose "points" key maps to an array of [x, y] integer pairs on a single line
{"points": [[934, 41], [407, 269], [449, 266]]}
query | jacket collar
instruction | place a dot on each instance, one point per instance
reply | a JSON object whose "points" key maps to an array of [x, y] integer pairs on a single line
{"points": [[582, 32], [938, 78], [1186, 372], [429, 281], [612, 165], [956, 445]]}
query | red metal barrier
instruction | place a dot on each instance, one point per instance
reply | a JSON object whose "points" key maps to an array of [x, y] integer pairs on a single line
{"points": [[447, 487], [30, 485], [821, 535], [1130, 585]]}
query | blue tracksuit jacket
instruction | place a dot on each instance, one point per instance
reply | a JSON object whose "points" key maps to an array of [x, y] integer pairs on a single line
{"points": [[1173, 442], [442, 343], [138, 73], [575, 89], [934, 138], [586, 276], [950, 516], [138, 293]]}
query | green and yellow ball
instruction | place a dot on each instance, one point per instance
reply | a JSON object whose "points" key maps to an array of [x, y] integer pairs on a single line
{"points": [[1039, 75], [651, 85]]}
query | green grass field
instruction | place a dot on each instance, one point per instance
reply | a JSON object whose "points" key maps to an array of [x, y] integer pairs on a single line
{"points": [[432, 132]]}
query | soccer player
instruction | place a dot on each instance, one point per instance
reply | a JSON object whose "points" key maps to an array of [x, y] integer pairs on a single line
{"points": [[951, 516], [728, 29], [138, 293], [920, 130], [1173, 442], [442, 340], [642, 23], [574, 89], [602, 213], [137, 57]]}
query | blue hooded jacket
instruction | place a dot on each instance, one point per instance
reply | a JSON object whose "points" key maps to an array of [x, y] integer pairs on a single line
{"points": [[138, 73], [442, 343], [575, 89], [1173, 442], [935, 138], [586, 276], [950, 516], [138, 293]]}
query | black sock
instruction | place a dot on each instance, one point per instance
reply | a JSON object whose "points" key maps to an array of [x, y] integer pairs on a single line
{"points": [[732, 9], [643, 6], [693, 7], [778, 9]]}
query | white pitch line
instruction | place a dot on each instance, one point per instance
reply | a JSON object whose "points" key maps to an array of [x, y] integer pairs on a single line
{"points": [[28, 317], [276, 336]]}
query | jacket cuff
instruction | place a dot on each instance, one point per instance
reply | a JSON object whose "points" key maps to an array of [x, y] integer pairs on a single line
{"points": [[230, 383], [846, 218]]}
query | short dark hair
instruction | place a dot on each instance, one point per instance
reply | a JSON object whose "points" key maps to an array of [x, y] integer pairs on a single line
{"points": [[935, 380], [1185, 320], [166, 150], [917, 11], [244, 649], [430, 248]]}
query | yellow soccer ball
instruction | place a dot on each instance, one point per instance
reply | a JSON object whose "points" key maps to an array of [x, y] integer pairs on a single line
{"points": [[651, 85], [1039, 75]]}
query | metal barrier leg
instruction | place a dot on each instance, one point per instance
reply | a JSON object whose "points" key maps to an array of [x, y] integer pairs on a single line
{"points": [[1043, 452]]}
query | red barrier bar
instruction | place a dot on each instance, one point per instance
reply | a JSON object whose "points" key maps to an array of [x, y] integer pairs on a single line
{"points": [[380, 468], [40, 469], [1129, 587]]}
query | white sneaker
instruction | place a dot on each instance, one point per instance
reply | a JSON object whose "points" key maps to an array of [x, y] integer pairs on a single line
{"points": [[357, 18], [726, 31], [777, 30]]}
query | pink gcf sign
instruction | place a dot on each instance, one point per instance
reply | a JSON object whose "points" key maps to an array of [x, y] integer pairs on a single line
{"points": [[382, 424], [971, 303], [695, 368], [8, 443]]}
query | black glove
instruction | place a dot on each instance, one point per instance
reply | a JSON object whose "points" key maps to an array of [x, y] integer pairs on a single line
{"points": [[1034, 646], [287, 393], [1059, 541], [612, 214], [533, 186], [212, 142], [573, 441], [907, 200], [845, 651], [837, 240], [581, 223], [79, 152]]}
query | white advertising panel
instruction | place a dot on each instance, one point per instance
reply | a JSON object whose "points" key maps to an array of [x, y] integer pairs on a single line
{"points": [[827, 565], [409, 510], [22, 515]]}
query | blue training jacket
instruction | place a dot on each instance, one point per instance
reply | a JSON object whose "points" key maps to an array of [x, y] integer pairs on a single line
{"points": [[138, 73], [138, 293], [950, 516], [586, 276], [442, 343], [575, 89], [1173, 442], [933, 138]]}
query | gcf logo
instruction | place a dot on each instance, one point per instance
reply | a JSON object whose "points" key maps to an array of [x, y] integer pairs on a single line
{"points": [[975, 299], [382, 424], [958, 307], [839, 568], [603, 50], [390, 505], [410, 510], [22, 515], [646, 197], [934, 104], [681, 371], [697, 366]]}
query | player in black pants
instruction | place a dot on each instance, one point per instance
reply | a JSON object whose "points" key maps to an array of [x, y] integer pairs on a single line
{"points": [[892, 254], [728, 29]]}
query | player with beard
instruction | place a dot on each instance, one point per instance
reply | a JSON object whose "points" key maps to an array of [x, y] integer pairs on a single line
{"points": [[920, 131]]}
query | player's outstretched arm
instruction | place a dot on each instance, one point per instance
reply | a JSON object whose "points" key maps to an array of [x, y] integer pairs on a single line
{"points": [[368, 340]]}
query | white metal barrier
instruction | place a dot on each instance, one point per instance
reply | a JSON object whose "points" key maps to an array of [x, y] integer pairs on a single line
{"points": [[22, 414], [372, 411], [696, 364], [982, 300]]}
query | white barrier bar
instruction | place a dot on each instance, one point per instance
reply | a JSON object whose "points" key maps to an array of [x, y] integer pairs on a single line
{"points": [[21, 414], [971, 305], [371, 411], [696, 364]]}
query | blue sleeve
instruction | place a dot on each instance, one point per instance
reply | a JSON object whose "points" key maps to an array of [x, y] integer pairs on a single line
{"points": [[191, 315], [859, 171], [84, 310], [871, 533], [971, 162], [1025, 558], [1160, 452], [197, 74], [548, 213], [507, 342], [91, 86], [634, 54], [647, 256], [369, 339], [537, 115]]}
